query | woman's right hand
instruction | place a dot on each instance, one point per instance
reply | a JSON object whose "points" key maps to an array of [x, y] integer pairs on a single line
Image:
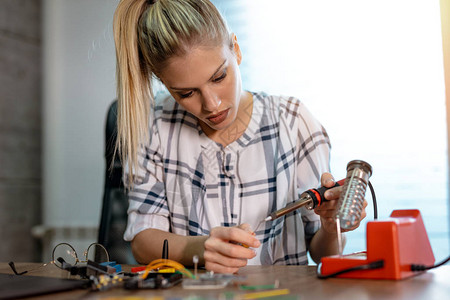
{"points": [[224, 250]]}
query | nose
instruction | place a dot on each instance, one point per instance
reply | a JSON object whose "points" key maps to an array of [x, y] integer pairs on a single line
{"points": [[210, 101]]}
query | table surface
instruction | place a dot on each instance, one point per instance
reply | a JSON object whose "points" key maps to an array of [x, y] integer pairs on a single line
{"points": [[301, 281]]}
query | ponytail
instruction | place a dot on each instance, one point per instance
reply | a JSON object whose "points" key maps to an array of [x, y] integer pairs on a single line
{"points": [[133, 85]]}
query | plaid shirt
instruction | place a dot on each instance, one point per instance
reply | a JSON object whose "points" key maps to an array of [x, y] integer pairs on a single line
{"points": [[189, 184]]}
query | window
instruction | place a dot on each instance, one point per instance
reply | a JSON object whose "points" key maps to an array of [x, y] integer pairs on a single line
{"points": [[372, 73]]}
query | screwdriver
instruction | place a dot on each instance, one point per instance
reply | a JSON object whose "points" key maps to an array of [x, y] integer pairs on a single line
{"points": [[310, 198]]}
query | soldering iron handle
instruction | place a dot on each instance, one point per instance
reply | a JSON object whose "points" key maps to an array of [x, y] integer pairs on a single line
{"points": [[318, 195], [322, 189]]}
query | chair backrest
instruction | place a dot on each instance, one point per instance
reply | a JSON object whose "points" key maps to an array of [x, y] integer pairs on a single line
{"points": [[115, 203]]}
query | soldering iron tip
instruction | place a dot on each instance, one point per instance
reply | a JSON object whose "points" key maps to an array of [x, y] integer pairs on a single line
{"points": [[269, 218]]}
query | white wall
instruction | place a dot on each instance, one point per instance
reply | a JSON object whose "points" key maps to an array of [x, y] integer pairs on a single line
{"points": [[79, 84]]}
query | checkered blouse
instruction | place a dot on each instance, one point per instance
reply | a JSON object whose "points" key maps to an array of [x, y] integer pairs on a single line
{"points": [[189, 184]]}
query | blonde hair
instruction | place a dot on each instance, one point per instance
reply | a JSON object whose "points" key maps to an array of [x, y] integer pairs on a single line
{"points": [[146, 35]]}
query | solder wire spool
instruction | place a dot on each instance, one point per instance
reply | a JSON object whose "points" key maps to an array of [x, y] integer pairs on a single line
{"points": [[351, 200]]}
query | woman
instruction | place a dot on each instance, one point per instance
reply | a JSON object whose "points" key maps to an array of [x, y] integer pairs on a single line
{"points": [[210, 160]]}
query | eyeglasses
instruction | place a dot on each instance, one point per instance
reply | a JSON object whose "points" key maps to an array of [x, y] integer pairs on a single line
{"points": [[65, 253], [95, 252]]}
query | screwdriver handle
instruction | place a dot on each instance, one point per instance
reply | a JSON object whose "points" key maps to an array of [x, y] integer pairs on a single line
{"points": [[318, 195]]}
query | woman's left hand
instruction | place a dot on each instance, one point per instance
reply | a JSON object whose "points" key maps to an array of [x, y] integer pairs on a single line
{"points": [[327, 211]]}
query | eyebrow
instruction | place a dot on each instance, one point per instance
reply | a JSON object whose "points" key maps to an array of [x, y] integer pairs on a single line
{"points": [[210, 78]]}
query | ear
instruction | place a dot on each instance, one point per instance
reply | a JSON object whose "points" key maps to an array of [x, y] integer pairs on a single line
{"points": [[236, 48]]}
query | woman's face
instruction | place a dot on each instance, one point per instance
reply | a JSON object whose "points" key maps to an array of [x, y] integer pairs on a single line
{"points": [[206, 81]]}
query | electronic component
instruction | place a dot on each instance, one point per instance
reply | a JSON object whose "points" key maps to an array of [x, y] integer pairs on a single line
{"points": [[210, 280], [154, 281]]}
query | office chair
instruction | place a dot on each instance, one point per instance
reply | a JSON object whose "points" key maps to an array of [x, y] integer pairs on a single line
{"points": [[115, 203]]}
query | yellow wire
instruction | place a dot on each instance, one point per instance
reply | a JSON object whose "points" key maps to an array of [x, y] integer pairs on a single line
{"points": [[159, 263], [265, 294], [169, 262]]}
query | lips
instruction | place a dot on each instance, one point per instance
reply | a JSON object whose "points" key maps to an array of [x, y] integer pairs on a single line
{"points": [[219, 118]]}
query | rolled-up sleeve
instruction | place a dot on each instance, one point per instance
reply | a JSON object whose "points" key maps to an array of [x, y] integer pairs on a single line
{"points": [[147, 198]]}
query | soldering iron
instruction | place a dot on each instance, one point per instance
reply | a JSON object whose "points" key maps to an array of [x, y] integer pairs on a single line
{"points": [[310, 198], [350, 201]]}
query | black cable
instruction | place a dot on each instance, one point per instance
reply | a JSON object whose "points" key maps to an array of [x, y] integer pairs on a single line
{"points": [[377, 265], [374, 200], [370, 266], [418, 268], [13, 267]]}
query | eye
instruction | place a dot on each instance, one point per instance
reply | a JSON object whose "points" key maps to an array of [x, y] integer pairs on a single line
{"points": [[186, 95], [221, 77]]}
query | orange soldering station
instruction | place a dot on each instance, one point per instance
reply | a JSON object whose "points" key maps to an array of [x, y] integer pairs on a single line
{"points": [[394, 247]]}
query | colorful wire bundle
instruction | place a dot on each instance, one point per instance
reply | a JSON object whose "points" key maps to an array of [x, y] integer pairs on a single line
{"points": [[166, 263]]}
